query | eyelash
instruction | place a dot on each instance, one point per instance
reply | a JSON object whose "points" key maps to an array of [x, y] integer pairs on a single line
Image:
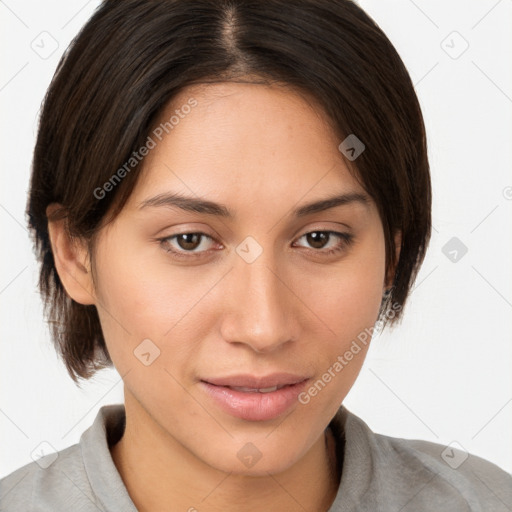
{"points": [[347, 240]]}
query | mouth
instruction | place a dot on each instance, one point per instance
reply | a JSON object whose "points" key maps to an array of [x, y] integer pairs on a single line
{"points": [[254, 398]]}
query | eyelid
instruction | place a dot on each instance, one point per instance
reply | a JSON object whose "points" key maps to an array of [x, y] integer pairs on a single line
{"points": [[339, 226]]}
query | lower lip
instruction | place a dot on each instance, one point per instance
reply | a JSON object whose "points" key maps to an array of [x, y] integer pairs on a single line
{"points": [[254, 406]]}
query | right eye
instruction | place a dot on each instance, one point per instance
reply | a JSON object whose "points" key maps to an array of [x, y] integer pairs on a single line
{"points": [[185, 245]]}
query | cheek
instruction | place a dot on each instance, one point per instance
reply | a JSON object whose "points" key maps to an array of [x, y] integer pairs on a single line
{"points": [[142, 296], [347, 295], [348, 304]]}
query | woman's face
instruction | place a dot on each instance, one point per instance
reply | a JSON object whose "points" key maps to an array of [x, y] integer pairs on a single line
{"points": [[264, 296]]}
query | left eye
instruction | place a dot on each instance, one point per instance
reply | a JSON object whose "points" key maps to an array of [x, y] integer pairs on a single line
{"points": [[317, 239]]}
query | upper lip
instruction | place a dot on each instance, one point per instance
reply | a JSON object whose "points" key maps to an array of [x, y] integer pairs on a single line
{"points": [[257, 382]]}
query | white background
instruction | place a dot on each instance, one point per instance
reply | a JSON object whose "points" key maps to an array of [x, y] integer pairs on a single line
{"points": [[445, 373]]}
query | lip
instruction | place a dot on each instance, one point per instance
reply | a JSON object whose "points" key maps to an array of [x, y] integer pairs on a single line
{"points": [[255, 382], [254, 405]]}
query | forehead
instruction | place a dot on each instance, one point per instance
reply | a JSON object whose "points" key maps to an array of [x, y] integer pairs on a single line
{"points": [[244, 144]]}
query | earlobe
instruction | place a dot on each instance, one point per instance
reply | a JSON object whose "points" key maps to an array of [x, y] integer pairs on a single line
{"points": [[71, 258]]}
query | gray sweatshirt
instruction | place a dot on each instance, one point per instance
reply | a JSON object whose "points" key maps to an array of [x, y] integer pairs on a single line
{"points": [[379, 474]]}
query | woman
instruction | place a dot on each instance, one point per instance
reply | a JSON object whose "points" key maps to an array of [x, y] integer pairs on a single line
{"points": [[227, 197]]}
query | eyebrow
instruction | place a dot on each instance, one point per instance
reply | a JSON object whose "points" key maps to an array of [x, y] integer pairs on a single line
{"points": [[198, 205]]}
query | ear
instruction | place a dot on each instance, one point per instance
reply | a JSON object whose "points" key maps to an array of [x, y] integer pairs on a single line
{"points": [[72, 260], [391, 274]]}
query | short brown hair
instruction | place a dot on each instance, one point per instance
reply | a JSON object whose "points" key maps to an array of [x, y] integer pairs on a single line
{"points": [[132, 57]]}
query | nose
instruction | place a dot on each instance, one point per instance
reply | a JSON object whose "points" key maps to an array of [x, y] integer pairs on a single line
{"points": [[259, 310]]}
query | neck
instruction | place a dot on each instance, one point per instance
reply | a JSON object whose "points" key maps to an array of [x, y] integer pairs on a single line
{"points": [[161, 474]]}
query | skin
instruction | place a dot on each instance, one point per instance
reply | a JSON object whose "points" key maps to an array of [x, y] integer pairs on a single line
{"points": [[262, 151]]}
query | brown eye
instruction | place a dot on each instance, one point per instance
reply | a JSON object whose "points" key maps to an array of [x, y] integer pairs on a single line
{"points": [[317, 239], [188, 241], [186, 244]]}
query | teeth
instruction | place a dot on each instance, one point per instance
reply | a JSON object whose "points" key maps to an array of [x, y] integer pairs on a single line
{"points": [[252, 390], [268, 390]]}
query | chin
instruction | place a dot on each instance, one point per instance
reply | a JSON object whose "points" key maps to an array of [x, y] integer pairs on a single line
{"points": [[245, 458], [262, 467]]}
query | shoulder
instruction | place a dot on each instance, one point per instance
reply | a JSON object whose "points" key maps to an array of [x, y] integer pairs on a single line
{"points": [[451, 473], [54, 482], [82, 477], [421, 475]]}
